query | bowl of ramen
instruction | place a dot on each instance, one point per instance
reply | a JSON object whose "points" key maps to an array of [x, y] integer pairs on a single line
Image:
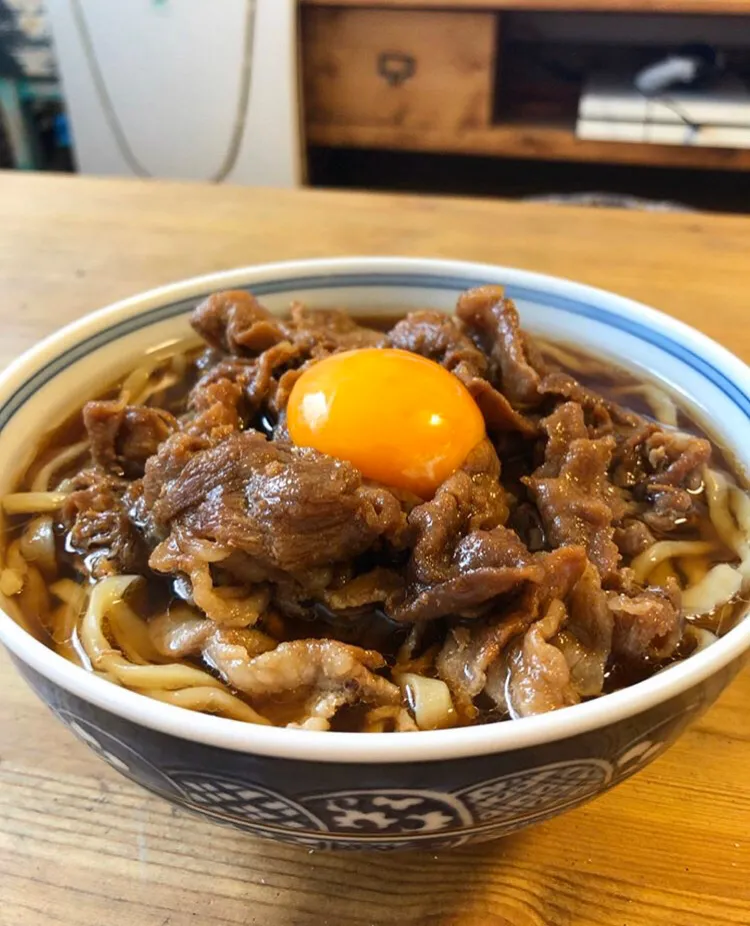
{"points": [[376, 553]]}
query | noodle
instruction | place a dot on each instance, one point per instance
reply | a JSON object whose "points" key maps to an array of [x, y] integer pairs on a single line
{"points": [[730, 514], [647, 561], [136, 382], [104, 596], [11, 582], [34, 597], [65, 618], [33, 502], [13, 576], [702, 637], [137, 388], [662, 406], [65, 456], [430, 701], [37, 544], [131, 633], [718, 585], [572, 361], [154, 676], [729, 509], [665, 571], [210, 700], [693, 568], [70, 592], [385, 718]]}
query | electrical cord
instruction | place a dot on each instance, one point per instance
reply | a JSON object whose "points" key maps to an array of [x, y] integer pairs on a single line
{"points": [[113, 120]]}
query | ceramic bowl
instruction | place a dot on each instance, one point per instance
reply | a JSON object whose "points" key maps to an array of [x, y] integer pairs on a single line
{"points": [[378, 791]]}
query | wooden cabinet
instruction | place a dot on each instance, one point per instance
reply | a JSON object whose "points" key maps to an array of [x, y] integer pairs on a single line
{"points": [[412, 70], [426, 75]]}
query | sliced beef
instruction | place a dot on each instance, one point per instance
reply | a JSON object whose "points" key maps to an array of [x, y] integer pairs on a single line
{"points": [[601, 416], [669, 508], [216, 416], [379, 586], [526, 522], [301, 663], [647, 622], [319, 332], [320, 676], [470, 651], [633, 537], [499, 415], [249, 385], [561, 658], [484, 565], [561, 428], [663, 470], [653, 456], [676, 459], [196, 563], [629, 462], [489, 506], [270, 368], [235, 322], [438, 337], [493, 320], [216, 402], [290, 508], [461, 557], [180, 632], [539, 676], [99, 529], [470, 499], [572, 491], [586, 641], [167, 464], [123, 437]]}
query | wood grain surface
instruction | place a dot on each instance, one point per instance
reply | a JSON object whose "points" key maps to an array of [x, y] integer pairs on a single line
{"points": [[81, 846], [530, 140], [352, 59]]}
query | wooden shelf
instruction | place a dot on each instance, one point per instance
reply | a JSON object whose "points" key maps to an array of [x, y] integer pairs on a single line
{"points": [[446, 100], [534, 141], [713, 7]]}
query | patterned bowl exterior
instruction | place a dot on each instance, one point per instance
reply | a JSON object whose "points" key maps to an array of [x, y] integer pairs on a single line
{"points": [[366, 798], [426, 805]]}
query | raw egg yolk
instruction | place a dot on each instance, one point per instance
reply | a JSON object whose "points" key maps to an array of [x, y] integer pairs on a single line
{"points": [[401, 419]]}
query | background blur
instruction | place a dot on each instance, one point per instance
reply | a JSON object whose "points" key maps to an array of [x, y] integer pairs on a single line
{"points": [[642, 103]]}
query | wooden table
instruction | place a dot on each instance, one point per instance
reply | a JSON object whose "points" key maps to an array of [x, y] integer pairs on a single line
{"points": [[80, 846]]}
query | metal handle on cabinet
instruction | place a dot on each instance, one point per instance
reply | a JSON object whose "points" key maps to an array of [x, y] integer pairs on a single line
{"points": [[395, 67]]}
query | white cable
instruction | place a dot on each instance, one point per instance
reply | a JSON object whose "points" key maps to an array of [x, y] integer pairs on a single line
{"points": [[113, 120]]}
